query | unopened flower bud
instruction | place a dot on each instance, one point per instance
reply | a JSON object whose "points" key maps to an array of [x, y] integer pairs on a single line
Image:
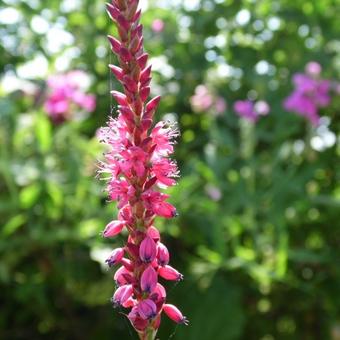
{"points": [[170, 273], [122, 294], [174, 314], [121, 275], [147, 309], [162, 254], [115, 257], [113, 228], [148, 280], [147, 250]]}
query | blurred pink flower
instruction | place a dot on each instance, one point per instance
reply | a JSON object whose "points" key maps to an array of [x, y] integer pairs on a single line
{"points": [[245, 109], [67, 95], [203, 100], [157, 25], [310, 93], [262, 108], [313, 69], [220, 105]]}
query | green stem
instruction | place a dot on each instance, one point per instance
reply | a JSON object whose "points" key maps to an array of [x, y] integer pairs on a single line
{"points": [[148, 334]]}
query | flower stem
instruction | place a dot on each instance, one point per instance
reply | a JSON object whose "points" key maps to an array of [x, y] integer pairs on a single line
{"points": [[148, 334]]}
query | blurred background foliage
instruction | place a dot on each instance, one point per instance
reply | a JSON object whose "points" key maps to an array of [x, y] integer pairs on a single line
{"points": [[258, 233]]}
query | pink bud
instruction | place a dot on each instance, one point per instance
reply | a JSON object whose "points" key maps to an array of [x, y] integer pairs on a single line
{"points": [[127, 115], [113, 228], [152, 105], [174, 314], [130, 302], [120, 98], [144, 93], [159, 294], [169, 273], [165, 209], [132, 249], [162, 254], [153, 233], [122, 294], [137, 15], [137, 322], [148, 280], [125, 54], [142, 60], [130, 84], [147, 309], [121, 275], [117, 71], [127, 264], [115, 44], [112, 11], [123, 22], [145, 74], [147, 250], [115, 257]]}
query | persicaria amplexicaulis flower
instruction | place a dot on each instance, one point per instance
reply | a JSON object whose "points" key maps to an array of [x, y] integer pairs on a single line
{"points": [[137, 166]]}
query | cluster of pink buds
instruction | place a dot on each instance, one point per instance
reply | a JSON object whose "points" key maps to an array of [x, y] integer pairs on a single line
{"points": [[137, 165]]}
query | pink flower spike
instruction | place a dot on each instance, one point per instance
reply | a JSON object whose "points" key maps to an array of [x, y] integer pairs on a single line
{"points": [[170, 273], [122, 294], [147, 309], [137, 166], [147, 250], [174, 314], [148, 280], [113, 228], [115, 257], [162, 254]]}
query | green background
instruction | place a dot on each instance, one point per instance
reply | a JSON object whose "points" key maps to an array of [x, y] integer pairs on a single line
{"points": [[262, 262]]}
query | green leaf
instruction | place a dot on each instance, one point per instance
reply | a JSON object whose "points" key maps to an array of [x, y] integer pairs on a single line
{"points": [[13, 224], [29, 195]]}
